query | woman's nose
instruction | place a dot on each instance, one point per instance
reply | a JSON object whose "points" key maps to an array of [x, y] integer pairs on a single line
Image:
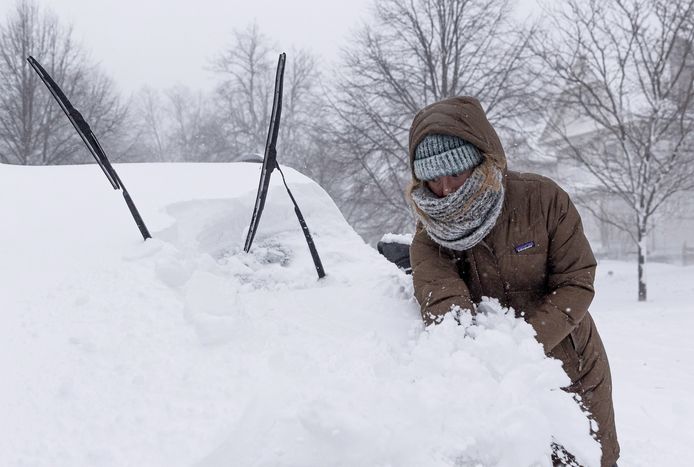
{"points": [[447, 184]]}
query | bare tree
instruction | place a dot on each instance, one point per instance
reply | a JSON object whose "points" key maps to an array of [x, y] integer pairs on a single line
{"points": [[621, 73], [178, 125], [198, 133], [33, 129], [245, 93], [148, 118], [411, 54]]}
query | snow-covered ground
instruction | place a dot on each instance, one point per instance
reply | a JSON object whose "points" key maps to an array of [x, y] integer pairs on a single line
{"points": [[651, 350], [183, 350]]}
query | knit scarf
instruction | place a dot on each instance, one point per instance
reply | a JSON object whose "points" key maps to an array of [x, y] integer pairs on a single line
{"points": [[462, 219]]}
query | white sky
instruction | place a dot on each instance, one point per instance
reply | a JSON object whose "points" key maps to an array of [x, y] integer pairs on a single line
{"points": [[161, 43]]}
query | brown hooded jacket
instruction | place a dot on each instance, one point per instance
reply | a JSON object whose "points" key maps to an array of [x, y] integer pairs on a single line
{"points": [[536, 259]]}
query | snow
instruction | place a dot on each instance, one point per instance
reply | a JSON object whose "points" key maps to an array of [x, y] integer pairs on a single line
{"points": [[651, 351], [403, 239], [185, 351]]}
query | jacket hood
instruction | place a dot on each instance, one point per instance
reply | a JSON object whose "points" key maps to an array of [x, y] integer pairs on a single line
{"points": [[462, 117]]}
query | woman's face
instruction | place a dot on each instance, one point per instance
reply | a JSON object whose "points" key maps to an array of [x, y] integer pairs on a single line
{"points": [[443, 186]]}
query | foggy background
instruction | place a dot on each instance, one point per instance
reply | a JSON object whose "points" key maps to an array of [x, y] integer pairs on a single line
{"points": [[165, 43]]}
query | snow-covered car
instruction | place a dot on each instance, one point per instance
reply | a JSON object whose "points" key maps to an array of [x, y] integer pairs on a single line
{"points": [[184, 350]]}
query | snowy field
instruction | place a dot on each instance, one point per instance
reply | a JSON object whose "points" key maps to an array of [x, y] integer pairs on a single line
{"points": [[185, 351]]}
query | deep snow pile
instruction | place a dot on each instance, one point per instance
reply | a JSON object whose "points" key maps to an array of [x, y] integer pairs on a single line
{"points": [[183, 350]]}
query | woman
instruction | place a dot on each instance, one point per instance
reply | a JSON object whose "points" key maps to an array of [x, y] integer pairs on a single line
{"points": [[484, 230]]}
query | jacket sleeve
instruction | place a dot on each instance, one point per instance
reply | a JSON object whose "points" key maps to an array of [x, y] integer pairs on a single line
{"points": [[437, 282], [571, 271]]}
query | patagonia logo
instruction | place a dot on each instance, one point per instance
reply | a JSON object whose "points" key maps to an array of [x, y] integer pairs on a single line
{"points": [[525, 246]]}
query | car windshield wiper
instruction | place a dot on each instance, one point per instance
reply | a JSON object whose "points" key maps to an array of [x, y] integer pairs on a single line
{"points": [[90, 141], [270, 164]]}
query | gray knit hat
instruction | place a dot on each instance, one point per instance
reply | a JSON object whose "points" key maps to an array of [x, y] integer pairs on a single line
{"points": [[440, 155]]}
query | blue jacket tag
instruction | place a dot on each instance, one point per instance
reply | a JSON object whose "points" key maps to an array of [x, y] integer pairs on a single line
{"points": [[525, 246]]}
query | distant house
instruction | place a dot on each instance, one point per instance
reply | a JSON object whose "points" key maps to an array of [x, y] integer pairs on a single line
{"points": [[672, 234]]}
